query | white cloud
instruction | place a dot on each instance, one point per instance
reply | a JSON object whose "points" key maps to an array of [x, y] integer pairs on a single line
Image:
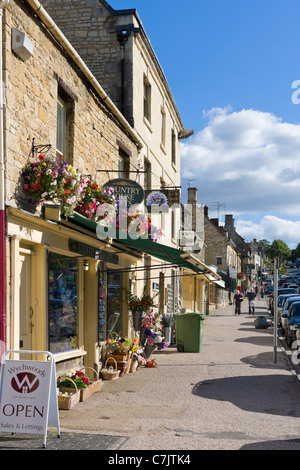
{"points": [[248, 160], [270, 228]]}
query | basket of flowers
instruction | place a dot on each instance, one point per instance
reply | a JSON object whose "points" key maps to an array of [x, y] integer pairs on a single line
{"points": [[72, 379], [94, 385], [67, 398], [121, 350], [46, 179], [110, 373]]}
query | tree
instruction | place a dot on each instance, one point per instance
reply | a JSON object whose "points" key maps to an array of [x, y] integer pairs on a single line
{"points": [[279, 249], [295, 254]]}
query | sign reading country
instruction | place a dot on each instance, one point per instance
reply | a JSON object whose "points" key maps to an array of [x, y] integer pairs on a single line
{"points": [[127, 189]]}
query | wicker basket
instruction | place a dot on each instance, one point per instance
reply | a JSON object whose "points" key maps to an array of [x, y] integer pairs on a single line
{"points": [[123, 362], [94, 385], [66, 402], [110, 375]]}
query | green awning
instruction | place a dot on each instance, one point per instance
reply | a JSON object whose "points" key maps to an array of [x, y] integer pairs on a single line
{"points": [[163, 252]]}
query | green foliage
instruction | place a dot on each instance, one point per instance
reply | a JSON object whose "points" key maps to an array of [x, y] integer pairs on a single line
{"points": [[279, 249]]}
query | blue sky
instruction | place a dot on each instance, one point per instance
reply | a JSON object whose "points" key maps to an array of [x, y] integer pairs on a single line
{"points": [[231, 66]]}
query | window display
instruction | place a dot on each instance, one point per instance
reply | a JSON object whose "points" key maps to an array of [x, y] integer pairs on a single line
{"points": [[62, 305]]}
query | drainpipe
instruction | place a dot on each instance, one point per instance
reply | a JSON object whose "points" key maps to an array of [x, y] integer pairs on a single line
{"points": [[3, 4], [122, 37]]}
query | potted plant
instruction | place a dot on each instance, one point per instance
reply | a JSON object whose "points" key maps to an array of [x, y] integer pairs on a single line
{"points": [[153, 334], [138, 306]]}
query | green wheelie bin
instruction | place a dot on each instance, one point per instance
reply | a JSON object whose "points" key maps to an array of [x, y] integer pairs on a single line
{"points": [[189, 332]]}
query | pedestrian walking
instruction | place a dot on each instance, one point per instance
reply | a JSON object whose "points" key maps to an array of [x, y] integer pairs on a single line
{"points": [[251, 299], [237, 300], [262, 291]]}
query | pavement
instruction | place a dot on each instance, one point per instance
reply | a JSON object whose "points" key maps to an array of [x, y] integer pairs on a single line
{"points": [[236, 394]]}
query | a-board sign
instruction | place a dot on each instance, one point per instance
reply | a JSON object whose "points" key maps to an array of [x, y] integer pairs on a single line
{"points": [[28, 396]]}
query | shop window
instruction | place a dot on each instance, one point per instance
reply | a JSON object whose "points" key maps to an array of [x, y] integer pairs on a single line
{"points": [[62, 303]]}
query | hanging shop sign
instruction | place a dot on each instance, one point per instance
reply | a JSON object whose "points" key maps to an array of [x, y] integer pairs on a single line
{"points": [[248, 268], [92, 252], [161, 200], [28, 395], [125, 188]]}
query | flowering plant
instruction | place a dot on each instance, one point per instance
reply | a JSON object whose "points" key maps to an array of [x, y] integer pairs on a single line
{"points": [[151, 364], [49, 180], [139, 304], [121, 346], [152, 325], [78, 377], [94, 201], [139, 356], [135, 223]]}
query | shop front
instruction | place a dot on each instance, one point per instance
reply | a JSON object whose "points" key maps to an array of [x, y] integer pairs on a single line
{"points": [[65, 289]]}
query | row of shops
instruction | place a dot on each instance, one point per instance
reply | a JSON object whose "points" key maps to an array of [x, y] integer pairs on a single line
{"points": [[68, 286]]}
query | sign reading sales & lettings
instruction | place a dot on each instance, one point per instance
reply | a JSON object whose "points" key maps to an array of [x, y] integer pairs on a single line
{"points": [[26, 390]]}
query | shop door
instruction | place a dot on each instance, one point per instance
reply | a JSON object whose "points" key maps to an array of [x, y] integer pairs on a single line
{"points": [[114, 304], [26, 312]]}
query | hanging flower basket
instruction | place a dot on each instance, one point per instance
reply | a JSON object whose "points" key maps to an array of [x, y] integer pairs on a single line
{"points": [[49, 180], [95, 201]]}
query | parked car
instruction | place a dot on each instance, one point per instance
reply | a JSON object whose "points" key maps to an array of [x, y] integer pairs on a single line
{"points": [[292, 323], [281, 299], [280, 292], [282, 313]]}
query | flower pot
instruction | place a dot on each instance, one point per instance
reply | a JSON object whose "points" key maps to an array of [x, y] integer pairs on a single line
{"points": [[148, 350], [137, 320]]}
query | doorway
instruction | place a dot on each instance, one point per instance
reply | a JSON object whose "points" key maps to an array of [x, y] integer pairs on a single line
{"points": [[26, 305]]}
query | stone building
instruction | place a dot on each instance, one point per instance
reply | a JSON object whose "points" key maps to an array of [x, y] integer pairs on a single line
{"points": [[54, 104], [221, 252], [117, 49]]}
